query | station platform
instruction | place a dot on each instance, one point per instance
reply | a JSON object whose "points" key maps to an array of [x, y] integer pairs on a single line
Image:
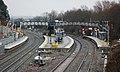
{"points": [[17, 42], [100, 43], [67, 43]]}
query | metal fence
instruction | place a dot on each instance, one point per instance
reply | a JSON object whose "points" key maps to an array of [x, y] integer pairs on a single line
{"points": [[7, 40]]}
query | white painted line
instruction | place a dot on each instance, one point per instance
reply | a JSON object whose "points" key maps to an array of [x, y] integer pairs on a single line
{"points": [[105, 61], [99, 42], [19, 41], [44, 43], [70, 43]]}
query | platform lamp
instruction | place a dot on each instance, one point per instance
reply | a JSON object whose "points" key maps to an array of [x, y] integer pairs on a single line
{"points": [[108, 33]]}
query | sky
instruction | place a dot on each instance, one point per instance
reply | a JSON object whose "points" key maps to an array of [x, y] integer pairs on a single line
{"points": [[38, 7]]}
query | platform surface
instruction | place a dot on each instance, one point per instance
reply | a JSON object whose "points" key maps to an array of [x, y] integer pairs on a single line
{"points": [[66, 43], [17, 42], [100, 43]]}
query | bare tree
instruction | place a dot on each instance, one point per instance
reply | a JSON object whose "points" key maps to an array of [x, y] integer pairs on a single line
{"points": [[52, 15], [98, 7]]}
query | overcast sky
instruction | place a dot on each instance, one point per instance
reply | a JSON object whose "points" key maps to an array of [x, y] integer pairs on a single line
{"points": [[38, 7]]}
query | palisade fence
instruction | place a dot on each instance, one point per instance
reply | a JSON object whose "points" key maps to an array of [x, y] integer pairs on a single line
{"points": [[7, 40]]}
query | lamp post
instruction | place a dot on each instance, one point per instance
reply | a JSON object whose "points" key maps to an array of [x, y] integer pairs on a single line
{"points": [[108, 31]]}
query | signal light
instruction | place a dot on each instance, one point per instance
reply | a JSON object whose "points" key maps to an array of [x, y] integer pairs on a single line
{"points": [[83, 29], [95, 28]]}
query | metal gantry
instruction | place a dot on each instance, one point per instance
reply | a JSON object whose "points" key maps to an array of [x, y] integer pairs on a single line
{"points": [[59, 23]]}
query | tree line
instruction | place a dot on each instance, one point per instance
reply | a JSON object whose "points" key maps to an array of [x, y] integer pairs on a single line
{"points": [[4, 15], [102, 11]]}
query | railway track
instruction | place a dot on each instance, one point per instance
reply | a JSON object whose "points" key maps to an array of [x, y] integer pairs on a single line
{"points": [[14, 50], [79, 59], [62, 65], [97, 62], [14, 62], [90, 67], [86, 64], [10, 56], [76, 61]]}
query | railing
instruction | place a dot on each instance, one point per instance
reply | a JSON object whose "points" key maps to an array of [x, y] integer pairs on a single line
{"points": [[7, 40]]}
